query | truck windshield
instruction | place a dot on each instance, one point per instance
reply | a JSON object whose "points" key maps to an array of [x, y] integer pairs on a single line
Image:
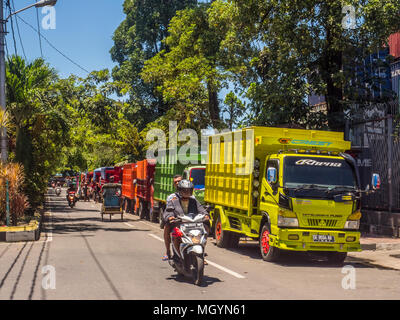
{"points": [[197, 176], [317, 172]]}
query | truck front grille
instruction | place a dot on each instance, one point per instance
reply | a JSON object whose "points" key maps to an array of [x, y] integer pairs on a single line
{"points": [[322, 223]]}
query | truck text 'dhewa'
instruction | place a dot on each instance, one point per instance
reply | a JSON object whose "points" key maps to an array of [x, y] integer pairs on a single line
{"points": [[291, 189]]}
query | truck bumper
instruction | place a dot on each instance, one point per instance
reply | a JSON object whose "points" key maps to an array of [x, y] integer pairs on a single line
{"points": [[344, 241]]}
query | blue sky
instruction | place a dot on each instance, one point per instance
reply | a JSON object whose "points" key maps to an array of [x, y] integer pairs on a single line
{"points": [[84, 30]]}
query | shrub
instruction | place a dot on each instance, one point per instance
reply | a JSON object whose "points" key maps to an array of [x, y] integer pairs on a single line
{"points": [[14, 174]]}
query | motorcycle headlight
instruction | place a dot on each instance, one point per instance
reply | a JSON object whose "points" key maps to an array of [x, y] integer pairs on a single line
{"points": [[287, 222], [352, 224], [196, 240]]}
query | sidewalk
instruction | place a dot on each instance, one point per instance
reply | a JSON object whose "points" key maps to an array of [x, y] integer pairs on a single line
{"points": [[376, 242], [378, 251]]}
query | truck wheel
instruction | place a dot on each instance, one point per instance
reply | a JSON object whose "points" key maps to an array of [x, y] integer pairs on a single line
{"points": [[128, 207], [336, 257], [161, 218], [142, 213], [222, 238], [268, 253], [124, 205], [131, 207], [153, 215]]}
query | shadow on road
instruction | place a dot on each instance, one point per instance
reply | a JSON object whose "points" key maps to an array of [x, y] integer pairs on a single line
{"points": [[65, 224], [2, 281], [70, 225], [207, 281], [296, 259]]}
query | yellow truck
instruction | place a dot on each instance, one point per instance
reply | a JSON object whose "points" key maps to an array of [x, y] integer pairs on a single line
{"points": [[291, 189]]}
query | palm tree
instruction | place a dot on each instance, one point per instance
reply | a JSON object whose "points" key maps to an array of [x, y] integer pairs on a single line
{"points": [[39, 117], [26, 86]]}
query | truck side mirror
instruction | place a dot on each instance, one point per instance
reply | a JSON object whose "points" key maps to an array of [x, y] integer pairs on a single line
{"points": [[376, 181], [272, 175]]}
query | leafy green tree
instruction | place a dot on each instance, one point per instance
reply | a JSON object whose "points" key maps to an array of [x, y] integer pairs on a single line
{"points": [[39, 121], [138, 38], [235, 109], [192, 71], [291, 49]]}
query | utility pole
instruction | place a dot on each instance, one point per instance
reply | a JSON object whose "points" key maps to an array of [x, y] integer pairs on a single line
{"points": [[3, 24], [4, 151]]}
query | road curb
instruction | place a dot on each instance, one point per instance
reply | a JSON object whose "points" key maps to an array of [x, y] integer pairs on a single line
{"points": [[30, 232], [380, 246]]}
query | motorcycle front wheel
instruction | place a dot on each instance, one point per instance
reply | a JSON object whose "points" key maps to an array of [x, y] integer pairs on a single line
{"points": [[197, 270]]}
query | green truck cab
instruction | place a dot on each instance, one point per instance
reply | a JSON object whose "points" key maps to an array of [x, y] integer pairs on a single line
{"points": [[296, 191], [196, 174]]}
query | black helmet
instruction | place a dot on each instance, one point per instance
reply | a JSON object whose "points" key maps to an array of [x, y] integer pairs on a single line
{"points": [[185, 185]]}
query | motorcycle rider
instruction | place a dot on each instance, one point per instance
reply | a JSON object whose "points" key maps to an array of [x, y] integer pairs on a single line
{"points": [[167, 236], [58, 188], [72, 188], [85, 192], [176, 180], [181, 204]]}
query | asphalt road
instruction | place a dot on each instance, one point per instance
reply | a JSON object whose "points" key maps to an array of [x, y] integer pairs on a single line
{"points": [[81, 257]]}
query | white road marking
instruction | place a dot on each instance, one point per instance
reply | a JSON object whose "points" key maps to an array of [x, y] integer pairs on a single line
{"points": [[128, 224], [156, 237], [150, 225], [232, 273], [49, 225]]}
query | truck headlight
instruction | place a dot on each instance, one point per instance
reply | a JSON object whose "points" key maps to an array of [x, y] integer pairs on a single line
{"points": [[287, 222], [352, 224], [355, 215]]}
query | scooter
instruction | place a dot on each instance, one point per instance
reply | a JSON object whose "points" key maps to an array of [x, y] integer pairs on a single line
{"points": [[189, 261], [58, 191], [71, 199]]}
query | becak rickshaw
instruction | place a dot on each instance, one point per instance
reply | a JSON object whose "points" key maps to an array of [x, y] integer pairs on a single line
{"points": [[111, 194]]}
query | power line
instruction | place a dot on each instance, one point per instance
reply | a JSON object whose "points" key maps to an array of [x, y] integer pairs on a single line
{"points": [[19, 33], [38, 25], [12, 29], [51, 45]]}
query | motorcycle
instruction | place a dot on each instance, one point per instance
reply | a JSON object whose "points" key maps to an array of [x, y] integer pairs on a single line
{"points": [[189, 261], [71, 199], [58, 191]]}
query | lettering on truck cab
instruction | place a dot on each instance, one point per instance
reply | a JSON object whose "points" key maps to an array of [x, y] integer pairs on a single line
{"points": [[311, 143]]}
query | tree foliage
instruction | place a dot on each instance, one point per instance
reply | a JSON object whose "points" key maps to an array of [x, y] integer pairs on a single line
{"points": [[292, 49], [139, 38]]}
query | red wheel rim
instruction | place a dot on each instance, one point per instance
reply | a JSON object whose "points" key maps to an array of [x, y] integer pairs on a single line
{"points": [[265, 241], [218, 230]]}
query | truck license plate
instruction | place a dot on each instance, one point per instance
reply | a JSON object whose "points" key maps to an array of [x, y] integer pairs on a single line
{"points": [[323, 238]]}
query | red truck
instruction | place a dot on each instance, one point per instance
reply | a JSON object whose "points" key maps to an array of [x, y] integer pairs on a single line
{"points": [[108, 172], [144, 187], [129, 187]]}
